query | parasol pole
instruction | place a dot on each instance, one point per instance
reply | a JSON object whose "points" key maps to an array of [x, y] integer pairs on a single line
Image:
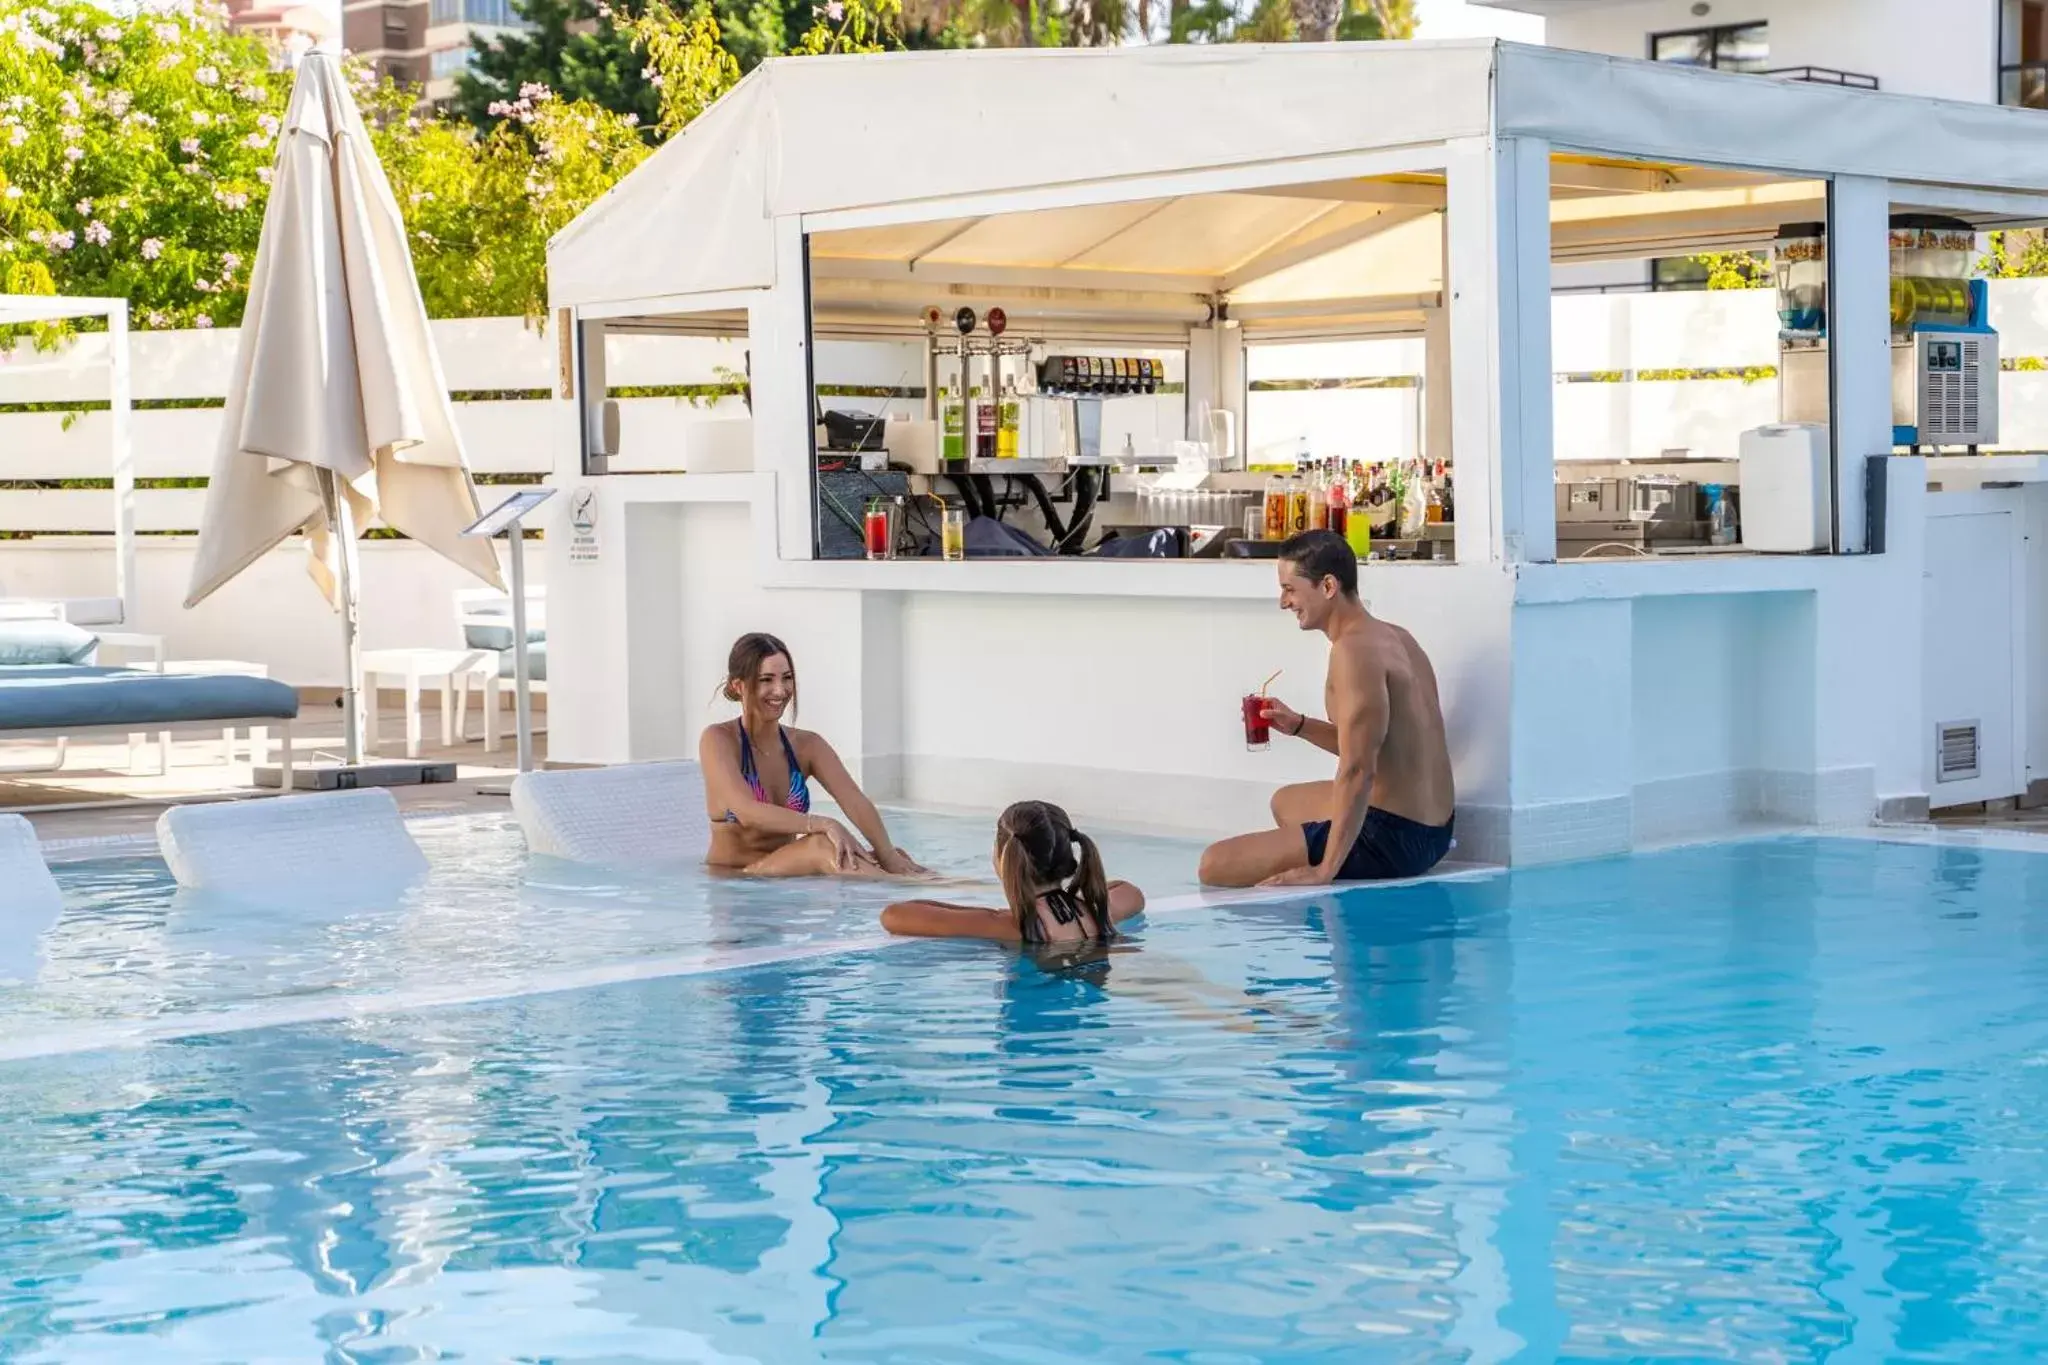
{"points": [[340, 524]]}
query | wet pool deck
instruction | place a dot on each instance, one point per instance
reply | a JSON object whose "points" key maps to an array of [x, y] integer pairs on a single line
{"points": [[96, 796]]}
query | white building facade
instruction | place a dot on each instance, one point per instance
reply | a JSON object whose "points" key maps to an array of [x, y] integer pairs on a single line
{"points": [[1983, 51]]}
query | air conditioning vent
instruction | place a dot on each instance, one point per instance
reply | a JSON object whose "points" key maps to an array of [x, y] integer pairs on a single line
{"points": [[1955, 751]]}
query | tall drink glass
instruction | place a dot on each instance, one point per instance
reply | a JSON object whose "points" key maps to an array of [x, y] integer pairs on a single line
{"points": [[1257, 734]]}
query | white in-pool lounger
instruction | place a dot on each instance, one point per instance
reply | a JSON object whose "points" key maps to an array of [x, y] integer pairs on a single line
{"points": [[630, 813], [29, 899], [318, 847]]}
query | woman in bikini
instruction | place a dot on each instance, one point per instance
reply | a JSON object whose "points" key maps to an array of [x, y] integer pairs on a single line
{"points": [[1052, 878], [757, 784]]}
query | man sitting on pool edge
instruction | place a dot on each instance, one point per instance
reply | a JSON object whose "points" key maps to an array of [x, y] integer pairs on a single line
{"points": [[1387, 813]]}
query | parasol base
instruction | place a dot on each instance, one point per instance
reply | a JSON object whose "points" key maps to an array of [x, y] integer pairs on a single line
{"points": [[349, 777]]}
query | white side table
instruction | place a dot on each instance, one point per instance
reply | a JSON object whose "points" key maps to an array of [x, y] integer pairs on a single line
{"points": [[411, 668]]}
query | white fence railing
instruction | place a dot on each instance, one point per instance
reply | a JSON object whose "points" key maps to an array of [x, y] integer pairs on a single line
{"points": [[504, 375]]}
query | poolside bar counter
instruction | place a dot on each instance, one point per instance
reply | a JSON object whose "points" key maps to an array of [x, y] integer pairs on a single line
{"points": [[1209, 201]]}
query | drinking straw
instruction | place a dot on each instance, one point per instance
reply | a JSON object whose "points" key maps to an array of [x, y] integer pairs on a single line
{"points": [[1269, 681]]}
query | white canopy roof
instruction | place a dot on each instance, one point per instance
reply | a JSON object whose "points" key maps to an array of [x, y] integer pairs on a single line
{"points": [[815, 134], [900, 135]]}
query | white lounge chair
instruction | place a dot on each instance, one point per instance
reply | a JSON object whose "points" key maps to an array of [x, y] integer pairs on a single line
{"points": [[484, 616], [320, 845], [632, 813], [29, 899]]}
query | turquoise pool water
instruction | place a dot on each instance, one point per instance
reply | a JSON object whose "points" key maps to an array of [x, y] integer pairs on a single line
{"points": [[137, 953], [1784, 1100]]}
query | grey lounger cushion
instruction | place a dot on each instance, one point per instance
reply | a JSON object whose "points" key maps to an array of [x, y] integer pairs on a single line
{"points": [[57, 697], [45, 642], [536, 661]]}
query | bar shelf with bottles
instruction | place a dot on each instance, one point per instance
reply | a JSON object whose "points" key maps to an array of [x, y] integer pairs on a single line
{"points": [[1387, 509], [1024, 430]]}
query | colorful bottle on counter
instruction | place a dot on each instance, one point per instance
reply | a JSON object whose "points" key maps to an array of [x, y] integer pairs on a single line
{"points": [[1276, 509], [952, 428], [1337, 506], [984, 425], [1319, 501], [1007, 426], [1297, 505]]}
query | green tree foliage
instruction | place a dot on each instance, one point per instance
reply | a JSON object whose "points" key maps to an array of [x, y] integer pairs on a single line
{"points": [[1286, 21], [136, 146], [690, 66], [592, 51], [135, 154], [480, 206], [1737, 269], [572, 51], [2016, 254]]}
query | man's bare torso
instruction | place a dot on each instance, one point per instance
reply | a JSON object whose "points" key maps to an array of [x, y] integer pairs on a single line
{"points": [[1412, 777]]}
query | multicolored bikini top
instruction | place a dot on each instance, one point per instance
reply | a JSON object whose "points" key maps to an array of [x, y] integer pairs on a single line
{"points": [[799, 798]]}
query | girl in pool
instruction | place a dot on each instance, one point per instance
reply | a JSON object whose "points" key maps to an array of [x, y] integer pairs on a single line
{"points": [[757, 784], [1053, 879]]}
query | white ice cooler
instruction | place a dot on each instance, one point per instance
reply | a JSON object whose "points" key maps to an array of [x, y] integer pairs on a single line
{"points": [[1785, 488]]}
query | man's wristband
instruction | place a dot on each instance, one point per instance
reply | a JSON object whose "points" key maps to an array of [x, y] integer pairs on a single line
{"points": [[1300, 723]]}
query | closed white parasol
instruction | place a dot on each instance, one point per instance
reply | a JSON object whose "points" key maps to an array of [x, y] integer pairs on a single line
{"points": [[337, 414]]}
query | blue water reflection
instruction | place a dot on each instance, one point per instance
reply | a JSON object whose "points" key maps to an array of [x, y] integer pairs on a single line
{"points": [[1772, 1101]]}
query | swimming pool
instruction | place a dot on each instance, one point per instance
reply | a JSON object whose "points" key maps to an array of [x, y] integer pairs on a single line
{"points": [[1773, 1100], [137, 955]]}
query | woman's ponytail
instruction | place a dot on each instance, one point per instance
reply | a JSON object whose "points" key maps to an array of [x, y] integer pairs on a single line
{"points": [[1090, 886]]}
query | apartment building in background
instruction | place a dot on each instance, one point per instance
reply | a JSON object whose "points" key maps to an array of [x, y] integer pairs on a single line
{"points": [[1982, 51], [292, 25], [391, 35], [451, 25], [423, 42]]}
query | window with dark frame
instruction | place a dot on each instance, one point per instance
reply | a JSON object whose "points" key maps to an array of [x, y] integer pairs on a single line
{"points": [[1677, 272], [2023, 53], [1723, 47]]}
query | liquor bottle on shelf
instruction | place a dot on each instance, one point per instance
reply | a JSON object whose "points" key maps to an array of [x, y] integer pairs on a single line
{"points": [[1007, 423], [1318, 499], [1337, 509], [1276, 508], [984, 409], [952, 429]]}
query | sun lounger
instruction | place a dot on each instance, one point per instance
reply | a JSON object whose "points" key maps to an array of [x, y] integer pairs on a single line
{"points": [[78, 701]]}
